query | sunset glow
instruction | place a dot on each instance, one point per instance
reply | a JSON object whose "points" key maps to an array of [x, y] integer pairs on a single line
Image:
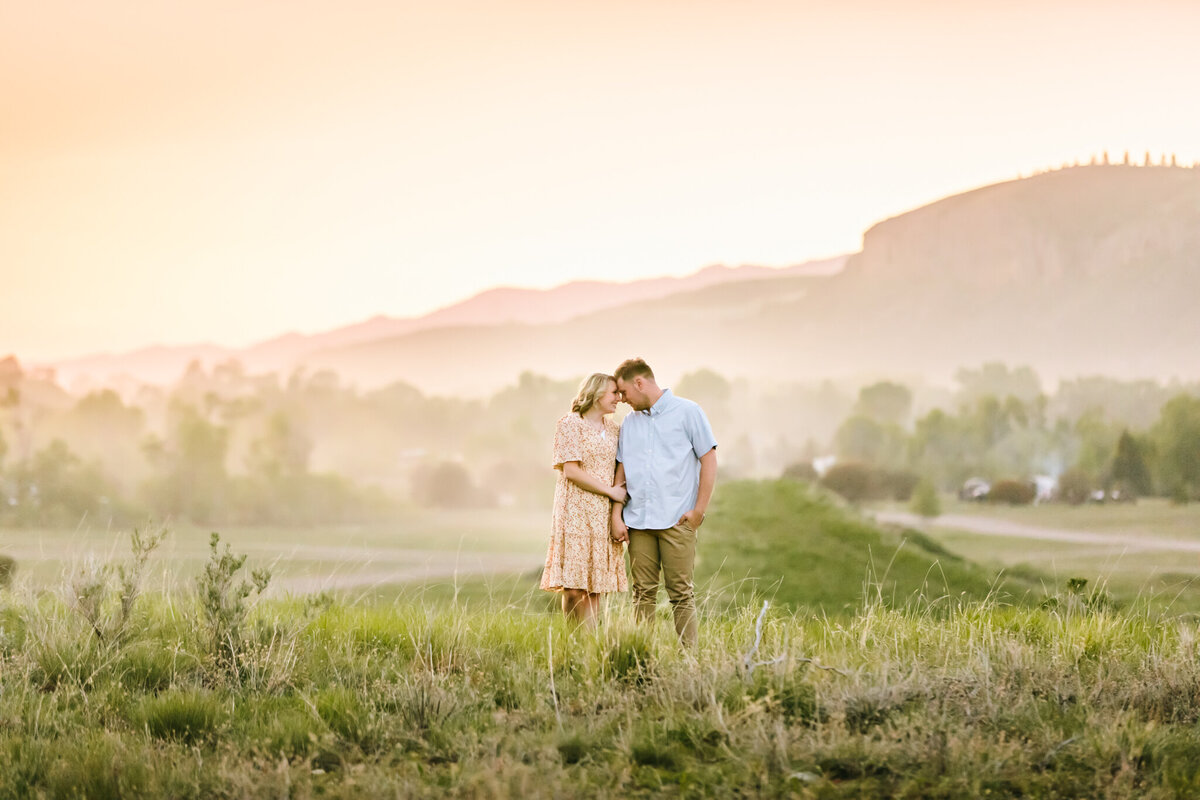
{"points": [[229, 171]]}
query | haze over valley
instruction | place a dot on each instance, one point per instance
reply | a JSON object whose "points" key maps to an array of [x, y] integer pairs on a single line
{"points": [[1077, 271]]}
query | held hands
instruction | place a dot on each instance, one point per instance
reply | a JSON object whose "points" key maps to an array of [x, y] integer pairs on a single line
{"points": [[620, 531]]}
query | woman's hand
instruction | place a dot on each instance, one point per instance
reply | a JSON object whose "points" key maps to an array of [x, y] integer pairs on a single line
{"points": [[620, 531], [618, 493]]}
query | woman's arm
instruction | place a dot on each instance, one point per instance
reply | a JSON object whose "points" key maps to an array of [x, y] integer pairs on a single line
{"points": [[577, 475], [620, 531]]}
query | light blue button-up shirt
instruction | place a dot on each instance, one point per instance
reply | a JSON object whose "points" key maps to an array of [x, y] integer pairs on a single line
{"points": [[661, 450]]}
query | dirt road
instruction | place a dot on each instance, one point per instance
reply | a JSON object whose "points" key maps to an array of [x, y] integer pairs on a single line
{"points": [[1132, 541]]}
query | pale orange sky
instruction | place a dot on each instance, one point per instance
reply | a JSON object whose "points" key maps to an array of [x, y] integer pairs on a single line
{"points": [[225, 171]]}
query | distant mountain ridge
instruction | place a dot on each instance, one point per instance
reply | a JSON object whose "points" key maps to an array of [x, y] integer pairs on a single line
{"points": [[1080, 271], [161, 364], [1086, 270]]}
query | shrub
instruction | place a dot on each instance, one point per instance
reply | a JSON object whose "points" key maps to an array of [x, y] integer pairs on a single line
{"points": [[106, 611], [852, 480], [345, 714], [801, 471], [8, 568], [150, 666], [1015, 493], [649, 752], [574, 749], [925, 500], [186, 716], [99, 767], [630, 656], [899, 484], [448, 484], [1074, 487], [223, 604]]}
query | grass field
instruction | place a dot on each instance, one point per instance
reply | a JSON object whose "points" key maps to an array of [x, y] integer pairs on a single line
{"points": [[1127, 554], [886, 666], [323, 699], [422, 545]]}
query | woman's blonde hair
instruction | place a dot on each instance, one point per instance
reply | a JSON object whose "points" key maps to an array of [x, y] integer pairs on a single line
{"points": [[590, 391]]}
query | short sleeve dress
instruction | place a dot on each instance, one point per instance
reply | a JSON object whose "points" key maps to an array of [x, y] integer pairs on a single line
{"points": [[582, 553]]}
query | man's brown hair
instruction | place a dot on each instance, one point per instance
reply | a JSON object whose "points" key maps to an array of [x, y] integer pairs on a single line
{"points": [[631, 368]]}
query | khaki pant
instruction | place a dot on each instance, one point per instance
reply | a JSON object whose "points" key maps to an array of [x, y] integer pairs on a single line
{"points": [[673, 552]]}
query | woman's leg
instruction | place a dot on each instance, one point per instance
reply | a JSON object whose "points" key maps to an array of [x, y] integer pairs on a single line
{"points": [[593, 601], [575, 605]]}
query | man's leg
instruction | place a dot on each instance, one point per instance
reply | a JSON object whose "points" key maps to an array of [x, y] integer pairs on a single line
{"points": [[678, 552], [644, 566]]}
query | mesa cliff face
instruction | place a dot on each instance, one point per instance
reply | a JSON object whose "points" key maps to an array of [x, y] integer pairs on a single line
{"points": [[1075, 224], [1084, 270]]}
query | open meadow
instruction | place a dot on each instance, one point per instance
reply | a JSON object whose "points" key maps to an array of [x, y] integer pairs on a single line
{"points": [[1150, 549], [420, 545], [884, 665]]}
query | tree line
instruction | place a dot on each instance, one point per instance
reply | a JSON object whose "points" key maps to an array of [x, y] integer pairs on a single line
{"points": [[1138, 438], [224, 446]]}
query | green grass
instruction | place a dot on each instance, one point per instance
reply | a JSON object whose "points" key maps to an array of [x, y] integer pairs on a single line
{"points": [[887, 667], [804, 548], [1169, 580], [966, 699], [783, 540]]}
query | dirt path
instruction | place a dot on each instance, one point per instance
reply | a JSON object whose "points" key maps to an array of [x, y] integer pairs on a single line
{"points": [[989, 526]]}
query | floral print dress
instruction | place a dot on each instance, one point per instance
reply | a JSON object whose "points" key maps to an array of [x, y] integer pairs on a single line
{"points": [[582, 553]]}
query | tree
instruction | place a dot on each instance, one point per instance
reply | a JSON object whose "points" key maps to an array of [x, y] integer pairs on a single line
{"points": [[996, 379], [863, 439], [886, 402], [55, 487], [446, 484], [925, 501], [1129, 470], [941, 449], [1097, 439], [192, 480], [1177, 439], [282, 451]]}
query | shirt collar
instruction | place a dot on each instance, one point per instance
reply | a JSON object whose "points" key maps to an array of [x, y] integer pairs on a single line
{"points": [[664, 402]]}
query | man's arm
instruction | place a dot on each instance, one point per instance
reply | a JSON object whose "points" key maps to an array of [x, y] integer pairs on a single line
{"points": [[619, 530], [708, 479]]}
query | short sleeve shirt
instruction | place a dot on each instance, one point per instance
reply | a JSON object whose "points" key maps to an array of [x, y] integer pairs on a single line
{"points": [[661, 450]]}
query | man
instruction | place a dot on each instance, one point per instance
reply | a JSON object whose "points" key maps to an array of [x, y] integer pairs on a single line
{"points": [[667, 458]]}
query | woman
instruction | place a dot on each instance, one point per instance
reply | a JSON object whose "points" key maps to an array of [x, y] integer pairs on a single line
{"points": [[583, 561]]}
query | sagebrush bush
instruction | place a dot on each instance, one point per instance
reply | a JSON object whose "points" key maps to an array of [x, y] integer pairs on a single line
{"points": [[224, 605]]}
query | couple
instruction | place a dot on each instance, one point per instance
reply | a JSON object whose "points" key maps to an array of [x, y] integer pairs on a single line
{"points": [[646, 482]]}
